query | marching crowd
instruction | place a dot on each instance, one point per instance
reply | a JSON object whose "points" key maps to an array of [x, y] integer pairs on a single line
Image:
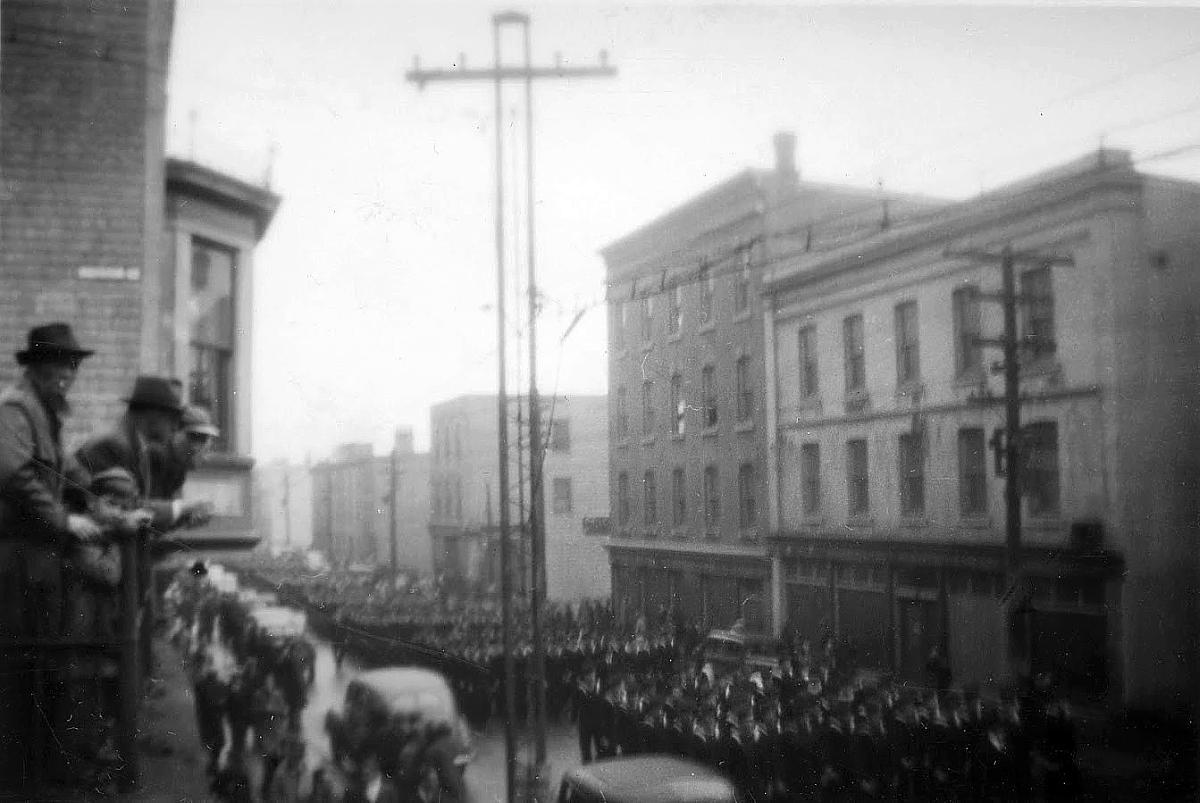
{"points": [[800, 724]]}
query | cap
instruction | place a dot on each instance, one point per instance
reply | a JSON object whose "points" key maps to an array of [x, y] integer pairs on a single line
{"points": [[198, 421]]}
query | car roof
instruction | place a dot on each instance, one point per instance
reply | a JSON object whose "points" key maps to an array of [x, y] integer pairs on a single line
{"points": [[652, 779], [410, 690], [279, 621]]}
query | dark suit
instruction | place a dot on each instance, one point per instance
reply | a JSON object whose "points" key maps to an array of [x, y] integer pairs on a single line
{"points": [[124, 448], [35, 474]]}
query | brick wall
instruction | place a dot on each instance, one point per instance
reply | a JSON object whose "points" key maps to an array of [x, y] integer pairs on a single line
{"points": [[81, 136]]}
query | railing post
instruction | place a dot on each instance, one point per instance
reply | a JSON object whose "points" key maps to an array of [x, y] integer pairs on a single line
{"points": [[130, 681]]}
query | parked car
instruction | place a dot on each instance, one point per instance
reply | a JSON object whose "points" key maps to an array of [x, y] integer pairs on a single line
{"points": [[646, 779], [382, 710]]}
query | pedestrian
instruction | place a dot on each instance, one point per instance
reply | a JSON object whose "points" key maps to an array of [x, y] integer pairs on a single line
{"points": [[35, 524]]}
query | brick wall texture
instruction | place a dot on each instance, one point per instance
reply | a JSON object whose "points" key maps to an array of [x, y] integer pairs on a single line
{"points": [[81, 149]]}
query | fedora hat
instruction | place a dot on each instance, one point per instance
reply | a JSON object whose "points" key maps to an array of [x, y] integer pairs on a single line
{"points": [[154, 392], [51, 341], [198, 421]]}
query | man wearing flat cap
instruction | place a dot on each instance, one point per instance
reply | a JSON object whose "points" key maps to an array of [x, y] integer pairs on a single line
{"points": [[35, 529]]}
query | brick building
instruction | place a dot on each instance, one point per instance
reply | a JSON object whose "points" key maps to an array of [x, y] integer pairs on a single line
{"points": [[887, 516], [351, 505], [150, 259], [687, 432], [464, 514]]}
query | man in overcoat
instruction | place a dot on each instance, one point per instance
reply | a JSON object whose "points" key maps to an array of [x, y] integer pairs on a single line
{"points": [[36, 527]]}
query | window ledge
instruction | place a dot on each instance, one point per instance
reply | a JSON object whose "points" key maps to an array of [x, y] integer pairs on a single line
{"points": [[648, 440], [678, 436], [975, 522], [914, 520], [741, 317], [705, 328], [863, 521], [744, 426], [710, 432]]}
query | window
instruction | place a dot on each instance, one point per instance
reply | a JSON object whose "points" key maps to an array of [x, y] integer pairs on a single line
{"points": [[745, 390], [912, 474], [674, 309], [808, 363], [741, 286], [712, 500], [1039, 468], [623, 499], [560, 435], [678, 498], [852, 341], [622, 413], [708, 393], [649, 499], [972, 473], [678, 405], [561, 495], [211, 334], [1037, 293], [707, 290], [647, 408], [647, 318], [458, 499], [619, 316], [857, 482], [968, 357], [810, 478], [908, 357], [748, 496]]}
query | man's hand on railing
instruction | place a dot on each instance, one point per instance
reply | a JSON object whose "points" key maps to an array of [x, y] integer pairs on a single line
{"points": [[196, 514], [83, 529]]}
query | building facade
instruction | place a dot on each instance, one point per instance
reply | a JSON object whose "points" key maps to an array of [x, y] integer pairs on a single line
{"points": [[150, 259], [285, 505], [464, 513], [687, 425], [887, 514], [352, 517]]}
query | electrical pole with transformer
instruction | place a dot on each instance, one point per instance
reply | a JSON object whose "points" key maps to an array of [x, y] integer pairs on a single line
{"points": [[497, 74]]}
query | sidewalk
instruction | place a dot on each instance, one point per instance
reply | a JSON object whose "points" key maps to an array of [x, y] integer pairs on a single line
{"points": [[172, 759]]}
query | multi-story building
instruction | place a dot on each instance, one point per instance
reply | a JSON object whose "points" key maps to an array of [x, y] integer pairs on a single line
{"points": [[150, 259], [886, 513], [464, 510], [352, 493], [687, 431]]}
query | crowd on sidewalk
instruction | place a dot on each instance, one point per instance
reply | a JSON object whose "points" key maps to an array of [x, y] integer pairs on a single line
{"points": [[65, 514]]}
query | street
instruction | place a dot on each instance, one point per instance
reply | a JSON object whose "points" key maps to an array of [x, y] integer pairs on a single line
{"points": [[485, 775]]}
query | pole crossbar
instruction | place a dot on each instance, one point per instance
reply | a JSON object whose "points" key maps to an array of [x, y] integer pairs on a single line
{"points": [[422, 77]]}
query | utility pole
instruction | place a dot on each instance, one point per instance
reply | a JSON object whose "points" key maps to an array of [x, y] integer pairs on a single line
{"points": [[1010, 343], [394, 500], [497, 74], [287, 505]]}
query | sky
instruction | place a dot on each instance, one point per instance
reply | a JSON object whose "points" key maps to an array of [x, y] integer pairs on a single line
{"points": [[374, 288]]}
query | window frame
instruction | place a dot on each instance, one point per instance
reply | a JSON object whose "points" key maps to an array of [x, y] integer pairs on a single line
{"points": [[858, 484], [622, 416], [854, 353], [649, 498], [623, 507], [678, 405], [646, 318], [708, 390], [711, 491], [678, 496], [744, 388], [810, 478], [748, 515], [910, 458], [647, 408], [907, 326], [1035, 455], [1038, 330], [806, 354], [560, 504], [968, 328], [972, 485], [675, 309]]}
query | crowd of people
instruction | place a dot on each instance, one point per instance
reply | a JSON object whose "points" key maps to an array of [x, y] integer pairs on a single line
{"points": [[65, 516], [802, 723]]}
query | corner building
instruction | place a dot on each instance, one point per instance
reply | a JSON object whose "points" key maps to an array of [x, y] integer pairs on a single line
{"points": [[887, 512], [687, 426]]}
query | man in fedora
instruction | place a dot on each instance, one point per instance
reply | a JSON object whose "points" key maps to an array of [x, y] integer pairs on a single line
{"points": [[35, 529], [153, 416]]}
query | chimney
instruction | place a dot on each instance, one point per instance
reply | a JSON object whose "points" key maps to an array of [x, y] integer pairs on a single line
{"points": [[785, 154]]}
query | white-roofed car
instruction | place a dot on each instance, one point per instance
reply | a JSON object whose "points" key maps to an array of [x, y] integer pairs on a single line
{"points": [[646, 779]]}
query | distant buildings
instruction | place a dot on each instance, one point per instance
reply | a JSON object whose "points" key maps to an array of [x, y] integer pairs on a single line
{"points": [[464, 494], [886, 515], [285, 505], [352, 516], [688, 432], [150, 259]]}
